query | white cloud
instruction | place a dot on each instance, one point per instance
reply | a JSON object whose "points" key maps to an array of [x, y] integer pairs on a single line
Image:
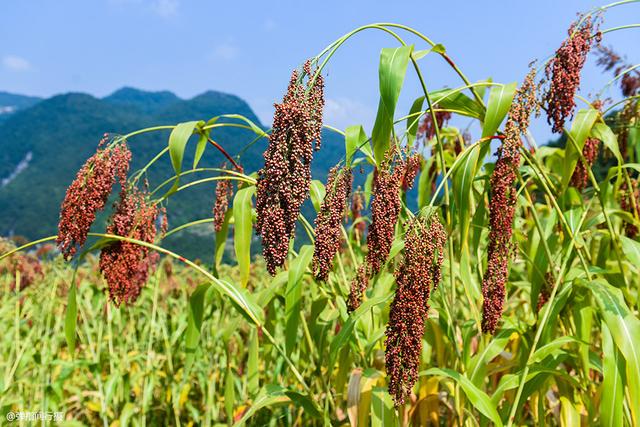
{"points": [[165, 8], [225, 51], [16, 63], [343, 112]]}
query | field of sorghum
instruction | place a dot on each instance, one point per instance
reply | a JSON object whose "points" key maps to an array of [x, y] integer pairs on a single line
{"points": [[506, 294]]}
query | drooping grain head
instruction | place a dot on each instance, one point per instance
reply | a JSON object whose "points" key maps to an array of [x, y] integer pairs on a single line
{"points": [[283, 182], [416, 276], [502, 205], [580, 175], [545, 291], [563, 73], [385, 209], [88, 194], [427, 128], [359, 285], [610, 60], [629, 197], [224, 191], [125, 265], [357, 206], [329, 220], [413, 164]]}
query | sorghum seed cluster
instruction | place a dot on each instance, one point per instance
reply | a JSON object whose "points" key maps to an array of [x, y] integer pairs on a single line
{"points": [[358, 287], [125, 265], [502, 204], [88, 194], [563, 73], [385, 208], [329, 219], [224, 190], [626, 203], [416, 276], [283, 182]]}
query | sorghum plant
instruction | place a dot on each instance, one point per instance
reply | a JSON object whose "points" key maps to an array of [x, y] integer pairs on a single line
{"points": [[283, 183]]}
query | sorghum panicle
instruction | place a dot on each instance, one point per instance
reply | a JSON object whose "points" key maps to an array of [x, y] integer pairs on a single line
{"points": [[329, 219], [427, 130], [357, 206], [413, 164], [545, 291], [580, 173], [224, 190], [502, 204], [626, 203], [126, 265], [385, 208], [416, 276], [88, 194], [630, 81], [563, 72], [283, 182], [358, 287]]}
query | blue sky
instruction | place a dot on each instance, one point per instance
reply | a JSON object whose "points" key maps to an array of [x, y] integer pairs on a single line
{"points": [[249, 48]]}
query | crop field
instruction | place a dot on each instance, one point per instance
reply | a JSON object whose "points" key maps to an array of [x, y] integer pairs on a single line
{"points": [[452, 268]]}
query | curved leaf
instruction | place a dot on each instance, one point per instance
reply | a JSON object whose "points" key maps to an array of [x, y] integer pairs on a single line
{"points": [[477, 397], [355, 137], [243, 230], [392, 70], [580, 130], [345, 332], [500, 98]]}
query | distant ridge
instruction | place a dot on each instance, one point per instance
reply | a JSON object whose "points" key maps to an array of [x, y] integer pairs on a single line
{"points": [[43, 145]]}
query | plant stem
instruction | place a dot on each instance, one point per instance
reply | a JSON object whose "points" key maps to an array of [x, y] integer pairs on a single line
{"points": [[543, 322]]}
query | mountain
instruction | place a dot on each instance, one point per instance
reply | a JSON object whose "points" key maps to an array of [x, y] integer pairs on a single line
{"points": [[42, 146], [10, 103], [142, 101]]}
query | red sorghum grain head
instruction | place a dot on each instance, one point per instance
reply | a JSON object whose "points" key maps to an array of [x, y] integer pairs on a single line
{"points": [[224, 190], [630, 83], [385, 208], [545, 291], [334, 205], [126, 265], [427, 130], [413, 164], [563, 73], [581, 174], [88, 194], [358, 287], [502, 204], [627, 119], [27, 265], [283, 182], [164, 221], [609, 60], [416, 276], [357, 206], [627, 198]]}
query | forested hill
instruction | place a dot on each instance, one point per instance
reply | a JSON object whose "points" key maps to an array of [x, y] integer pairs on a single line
{"points": [[44, 142]]}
